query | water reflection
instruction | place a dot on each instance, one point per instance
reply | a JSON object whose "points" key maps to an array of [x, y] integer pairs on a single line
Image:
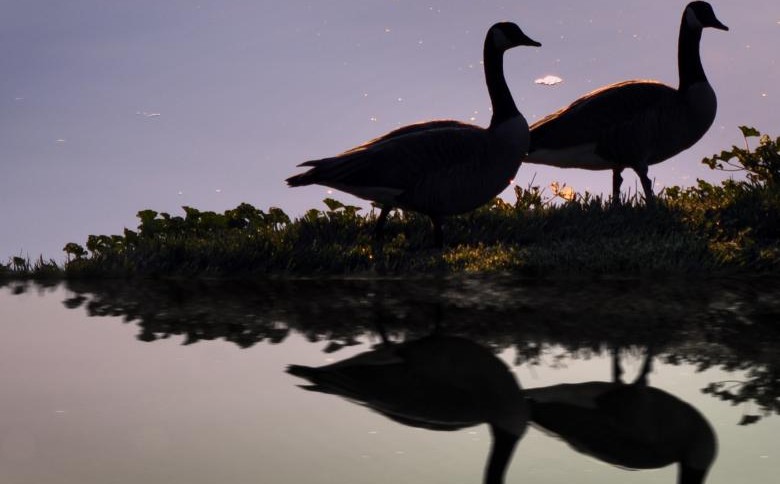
{"points": [[437, 383], [541, 327], [629, 425], [728, 323]]}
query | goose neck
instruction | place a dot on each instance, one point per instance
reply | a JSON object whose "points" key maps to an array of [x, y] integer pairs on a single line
{"points": [[500, 454], [500, 97], [688, 58]]}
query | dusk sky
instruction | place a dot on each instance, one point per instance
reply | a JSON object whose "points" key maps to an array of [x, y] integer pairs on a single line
{"points": [[109, 107]]}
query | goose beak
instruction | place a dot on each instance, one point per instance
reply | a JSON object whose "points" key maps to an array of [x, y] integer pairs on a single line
{"points": [[718, 25], [533, 43]]}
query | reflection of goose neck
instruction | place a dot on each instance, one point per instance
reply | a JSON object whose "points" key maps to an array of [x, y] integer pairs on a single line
{"points": [[500, 454], [438, 383]]}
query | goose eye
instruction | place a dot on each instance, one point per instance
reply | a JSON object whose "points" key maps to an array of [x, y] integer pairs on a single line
{"points": [[692, 19], [500, 39]]}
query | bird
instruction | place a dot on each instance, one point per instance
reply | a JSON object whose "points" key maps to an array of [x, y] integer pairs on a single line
{"points": [[437, 382], [636, 123], [631, 425], [441, 167]]}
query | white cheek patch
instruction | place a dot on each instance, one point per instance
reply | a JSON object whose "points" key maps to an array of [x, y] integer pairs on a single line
{"points": [[500, 39], [692, 20]]}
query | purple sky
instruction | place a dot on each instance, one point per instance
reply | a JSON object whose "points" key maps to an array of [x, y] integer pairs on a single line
{"points": [[108, 107]]}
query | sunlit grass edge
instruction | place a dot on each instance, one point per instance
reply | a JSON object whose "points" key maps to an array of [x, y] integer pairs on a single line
{"points": [[705, 229]]}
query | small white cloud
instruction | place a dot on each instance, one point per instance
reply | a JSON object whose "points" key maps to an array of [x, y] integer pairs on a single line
{"points": [[549, 80], [147, 115], [61, 140]]}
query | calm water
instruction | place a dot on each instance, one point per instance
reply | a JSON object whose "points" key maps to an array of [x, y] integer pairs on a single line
{"points": [[186, 383]]}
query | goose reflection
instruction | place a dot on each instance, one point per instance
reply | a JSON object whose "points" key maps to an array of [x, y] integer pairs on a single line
{"points": [[631, 425], [437, 383]]}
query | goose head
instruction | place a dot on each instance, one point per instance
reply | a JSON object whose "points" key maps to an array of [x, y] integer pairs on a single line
{"points": [[505, 35], [699, 15]]}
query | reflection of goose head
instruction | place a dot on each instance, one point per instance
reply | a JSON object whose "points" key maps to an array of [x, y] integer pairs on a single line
{"points": [[629, 425], [438, 383]]}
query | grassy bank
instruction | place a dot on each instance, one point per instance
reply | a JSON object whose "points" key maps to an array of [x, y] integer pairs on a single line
{"points": [[731, 227]]}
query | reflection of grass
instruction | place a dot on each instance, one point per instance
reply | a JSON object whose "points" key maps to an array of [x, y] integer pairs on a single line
{"points": [[728, 322], [729, 227]]}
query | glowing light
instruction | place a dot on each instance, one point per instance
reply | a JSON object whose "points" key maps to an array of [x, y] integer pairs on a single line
{"points": [[387, 30], [372, 119], [60, 140], [549, 80], [218, 190]]}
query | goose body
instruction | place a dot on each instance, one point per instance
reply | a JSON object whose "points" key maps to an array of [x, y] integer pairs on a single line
{"points": [[437, 383], [632, 425], [634, 124], [437, 168]]}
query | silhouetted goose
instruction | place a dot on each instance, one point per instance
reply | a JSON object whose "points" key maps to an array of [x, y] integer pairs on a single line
{"points": [[438, 168], [628, 425], [634, 123], [437, 383]]}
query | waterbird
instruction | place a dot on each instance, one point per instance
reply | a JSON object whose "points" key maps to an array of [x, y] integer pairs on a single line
{"points": [[437, 383], [442, 167], [631, 425], [637, 123]]}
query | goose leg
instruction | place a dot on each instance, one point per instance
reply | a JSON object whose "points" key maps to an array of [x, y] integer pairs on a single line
{"points": [[380, 224], [438, 235], [647, 185], [647, 367], [617, 180], [617, 371]]}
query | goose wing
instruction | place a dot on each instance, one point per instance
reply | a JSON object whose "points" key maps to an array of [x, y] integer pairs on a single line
{"points": [[618, 114], [439, 383], [384, 168]]}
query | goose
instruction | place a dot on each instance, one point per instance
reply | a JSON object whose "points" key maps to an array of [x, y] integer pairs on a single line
{"points": [[631, 425], [634, 123], [437, 383], [442, 167]]}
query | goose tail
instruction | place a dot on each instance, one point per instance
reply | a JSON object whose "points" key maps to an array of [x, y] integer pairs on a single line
{"points": [[326, 381], [308, 177], [299, 180], [327, 170]]}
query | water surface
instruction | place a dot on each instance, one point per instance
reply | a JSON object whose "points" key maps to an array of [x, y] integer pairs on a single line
{"points": [[185, 382]]}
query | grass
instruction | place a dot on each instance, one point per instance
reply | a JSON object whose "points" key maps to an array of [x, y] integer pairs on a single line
{"points": [[705, 229]]}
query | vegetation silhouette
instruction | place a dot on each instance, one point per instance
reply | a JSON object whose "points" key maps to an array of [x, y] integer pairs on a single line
{"points": [[707, 229], [727, 323]]}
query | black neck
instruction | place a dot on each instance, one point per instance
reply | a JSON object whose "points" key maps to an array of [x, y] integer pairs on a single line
{"points": [[689, 475], [500, 97], [500, 453], [688, 60]]}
